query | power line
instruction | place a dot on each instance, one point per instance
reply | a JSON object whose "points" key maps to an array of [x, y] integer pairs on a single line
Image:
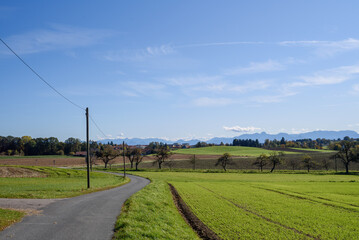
{"points": [[41, 78], [48, 84], [97, 126]]}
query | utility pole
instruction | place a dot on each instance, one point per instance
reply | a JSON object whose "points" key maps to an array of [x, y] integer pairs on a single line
{"points": [[87, 148], [336, 166], [124, 159]]}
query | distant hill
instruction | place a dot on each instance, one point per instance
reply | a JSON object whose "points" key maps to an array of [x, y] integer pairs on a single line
{"points": [[260, 136], [312, 135]]}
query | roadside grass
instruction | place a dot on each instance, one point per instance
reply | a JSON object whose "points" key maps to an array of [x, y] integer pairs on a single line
{"points": [[267, 206], [151, 214], [59, 183], [8, 217], [233, 150]]}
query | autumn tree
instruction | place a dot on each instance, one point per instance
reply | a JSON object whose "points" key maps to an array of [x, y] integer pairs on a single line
{"points": [[275, 158], [308, 162], [261, 161], [224, 160], [107, 153], [347, 154], [162, 154]]}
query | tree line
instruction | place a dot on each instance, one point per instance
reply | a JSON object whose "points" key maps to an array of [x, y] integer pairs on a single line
{"points": [[28, 146], [318, 143]]}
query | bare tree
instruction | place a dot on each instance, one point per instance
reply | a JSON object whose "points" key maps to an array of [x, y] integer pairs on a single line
{"points": [[170, 163], [347, 154], [325, 163], [293, 163], [275, 159], [224, 160], [130, 154], [162, 154], [93, 157], [308, 162], [138, 157], [261, 161], [107, 153], [192, 160]]}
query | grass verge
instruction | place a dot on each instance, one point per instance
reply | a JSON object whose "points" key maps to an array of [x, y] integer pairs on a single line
{"points": [[151, 214], [8, 217]]}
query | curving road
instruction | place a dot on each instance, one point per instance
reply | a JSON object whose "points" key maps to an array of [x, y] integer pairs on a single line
{"points": [[90, 216]]}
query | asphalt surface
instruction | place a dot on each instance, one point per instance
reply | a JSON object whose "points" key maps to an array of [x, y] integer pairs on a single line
{"points": [[90, 216]]}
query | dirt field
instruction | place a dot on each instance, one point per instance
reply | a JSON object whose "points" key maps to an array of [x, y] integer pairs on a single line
{"points": [[79, 161], [183, 161], [19, 172]]}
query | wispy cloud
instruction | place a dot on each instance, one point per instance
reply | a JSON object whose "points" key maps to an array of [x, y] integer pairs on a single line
{"points": [[191, 80], [161, 50], [138, 55], [57, 37], [242, 129], [328, 77], [355, 89], [326, 48], [220, 44], [212, 102], [230, 87], [256, 67]]}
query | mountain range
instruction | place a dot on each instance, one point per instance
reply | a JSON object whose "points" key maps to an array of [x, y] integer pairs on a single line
{"points": [[260, 136]]}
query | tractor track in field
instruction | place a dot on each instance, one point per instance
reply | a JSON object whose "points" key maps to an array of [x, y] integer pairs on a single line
{"points": [[326, 199], [310, 200], [259, 215], [197, 225]]}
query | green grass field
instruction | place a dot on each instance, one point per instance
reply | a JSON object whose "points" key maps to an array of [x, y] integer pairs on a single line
{"points": [[265, 206], [315, 150], [59, 183], [233, 150]]}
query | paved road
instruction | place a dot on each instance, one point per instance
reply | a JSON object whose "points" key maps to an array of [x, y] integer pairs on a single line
{"points": [[90, 216]]}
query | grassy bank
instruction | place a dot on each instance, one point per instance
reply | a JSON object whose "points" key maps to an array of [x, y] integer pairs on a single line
{"points": [[151, 214], [58, 183]]}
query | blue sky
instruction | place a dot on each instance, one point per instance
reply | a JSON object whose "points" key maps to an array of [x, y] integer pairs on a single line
{"points": [[179, 69]]}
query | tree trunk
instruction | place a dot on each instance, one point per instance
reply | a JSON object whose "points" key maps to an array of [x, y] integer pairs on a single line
{"points": [[136, 166], [159, 164], [272, 168], [105, 164], [261, 169], [131, 164], [347, 168]]}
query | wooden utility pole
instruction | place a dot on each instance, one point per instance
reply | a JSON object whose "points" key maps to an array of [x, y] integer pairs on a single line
{"points": [[336, 166], [124, 159], [87, 148]]}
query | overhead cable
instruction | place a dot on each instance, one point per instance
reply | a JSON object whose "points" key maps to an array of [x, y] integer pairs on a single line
{"points": [[41, 78]]}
